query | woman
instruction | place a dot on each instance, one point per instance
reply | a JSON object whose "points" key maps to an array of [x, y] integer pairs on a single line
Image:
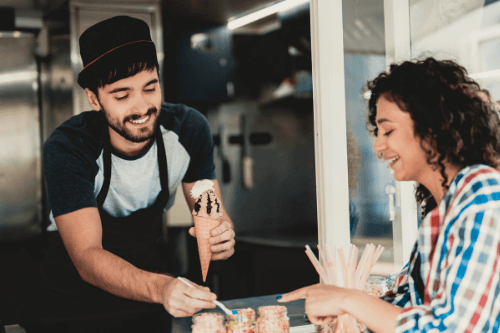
{"points": [[433, 127]]}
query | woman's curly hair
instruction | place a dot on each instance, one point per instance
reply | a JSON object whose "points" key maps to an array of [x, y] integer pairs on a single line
{"points": [[447, 110]]}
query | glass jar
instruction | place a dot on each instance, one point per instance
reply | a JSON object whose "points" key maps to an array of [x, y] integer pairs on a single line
{"points": [[376, 285], [208, 322], [241, 321], [273, 319]]}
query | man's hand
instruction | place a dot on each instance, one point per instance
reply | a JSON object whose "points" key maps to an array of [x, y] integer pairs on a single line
{"points": [[222, 241], [322, 302], [181, 300]]}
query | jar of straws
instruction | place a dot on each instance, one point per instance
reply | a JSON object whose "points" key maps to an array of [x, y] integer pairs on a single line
{"points": [[344, 272]]}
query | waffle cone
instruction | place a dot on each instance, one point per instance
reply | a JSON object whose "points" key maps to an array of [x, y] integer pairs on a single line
{"points": [[203, 226]]}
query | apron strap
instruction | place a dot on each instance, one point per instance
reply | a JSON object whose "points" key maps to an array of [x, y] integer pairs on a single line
{"points": [[162, 163], [107, 166]]}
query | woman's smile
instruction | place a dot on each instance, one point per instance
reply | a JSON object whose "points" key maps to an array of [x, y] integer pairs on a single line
{"points": [[392, 161], [397, 141]]}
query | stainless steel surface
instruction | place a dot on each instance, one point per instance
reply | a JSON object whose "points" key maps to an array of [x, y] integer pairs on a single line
{"points": [[57, 84], [283, 195], [84, 14], [20, 163]]}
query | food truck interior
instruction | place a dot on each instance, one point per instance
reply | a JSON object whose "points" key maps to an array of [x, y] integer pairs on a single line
{"points": [[254, 84]]}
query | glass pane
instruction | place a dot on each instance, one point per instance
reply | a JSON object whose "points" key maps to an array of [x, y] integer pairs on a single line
{"points": [[369, 179], [465, 31]]}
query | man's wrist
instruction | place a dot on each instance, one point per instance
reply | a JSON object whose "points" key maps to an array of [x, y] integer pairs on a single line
{"points": [[160, 284]]}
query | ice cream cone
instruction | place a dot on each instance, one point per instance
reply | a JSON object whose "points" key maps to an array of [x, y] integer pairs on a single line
{"points": [[203, 226]]}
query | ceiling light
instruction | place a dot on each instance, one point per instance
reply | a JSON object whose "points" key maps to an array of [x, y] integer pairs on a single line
{"points": [[252, 17]]}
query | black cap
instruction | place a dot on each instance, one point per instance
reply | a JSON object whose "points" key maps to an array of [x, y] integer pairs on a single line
{"points": [[118, 39]]}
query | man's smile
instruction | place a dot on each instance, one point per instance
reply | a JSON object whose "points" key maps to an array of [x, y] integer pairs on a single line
{"points": [[140, 120]]}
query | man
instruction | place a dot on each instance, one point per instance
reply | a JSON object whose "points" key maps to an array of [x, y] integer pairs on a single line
{"points": [[111, 173]]}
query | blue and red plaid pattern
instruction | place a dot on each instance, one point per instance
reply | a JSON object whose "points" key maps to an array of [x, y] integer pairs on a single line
{"points": [[459, 248]]}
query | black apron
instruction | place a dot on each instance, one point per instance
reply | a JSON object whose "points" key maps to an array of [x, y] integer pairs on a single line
{"points": [[133, 238]]}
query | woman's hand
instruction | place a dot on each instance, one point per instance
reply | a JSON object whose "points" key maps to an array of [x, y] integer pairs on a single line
{"points": [[323, 302]]}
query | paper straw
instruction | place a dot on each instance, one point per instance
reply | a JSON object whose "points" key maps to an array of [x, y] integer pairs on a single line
{"points": [[366, 266], [352, 272], [343, 266], [361, 264], [316, 263], [378, 253], [325, 264], [350, 265], [333, 257], [375, 256], [321, 257], [350, 261]]}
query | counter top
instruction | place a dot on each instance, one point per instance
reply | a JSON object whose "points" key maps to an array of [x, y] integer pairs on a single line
{"points": [[298, 323]]}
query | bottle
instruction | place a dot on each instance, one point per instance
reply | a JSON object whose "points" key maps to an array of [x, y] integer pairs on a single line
{"points": [[208, 322], [273, 319]]}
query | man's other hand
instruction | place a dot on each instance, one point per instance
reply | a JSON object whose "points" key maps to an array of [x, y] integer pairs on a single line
{"points": [[222, 241]]}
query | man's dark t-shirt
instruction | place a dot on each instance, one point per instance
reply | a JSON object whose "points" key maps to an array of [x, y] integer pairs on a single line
{"points": [[73, 163]]}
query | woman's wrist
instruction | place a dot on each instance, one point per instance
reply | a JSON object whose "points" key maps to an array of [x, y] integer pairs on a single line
{"points": [[375, 313], [351, 299]]}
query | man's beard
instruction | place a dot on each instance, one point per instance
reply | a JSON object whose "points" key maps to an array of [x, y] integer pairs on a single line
{"points": [[139, 135]]}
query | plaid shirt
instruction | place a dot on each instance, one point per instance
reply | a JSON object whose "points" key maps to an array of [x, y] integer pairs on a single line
{"points": [[459, 249]]}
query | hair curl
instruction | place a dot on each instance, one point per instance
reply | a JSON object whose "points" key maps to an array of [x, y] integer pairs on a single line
{"points": [[447, 110]]}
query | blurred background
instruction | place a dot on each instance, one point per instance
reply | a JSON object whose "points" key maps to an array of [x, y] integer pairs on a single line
{"points": [[254, 84]]}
